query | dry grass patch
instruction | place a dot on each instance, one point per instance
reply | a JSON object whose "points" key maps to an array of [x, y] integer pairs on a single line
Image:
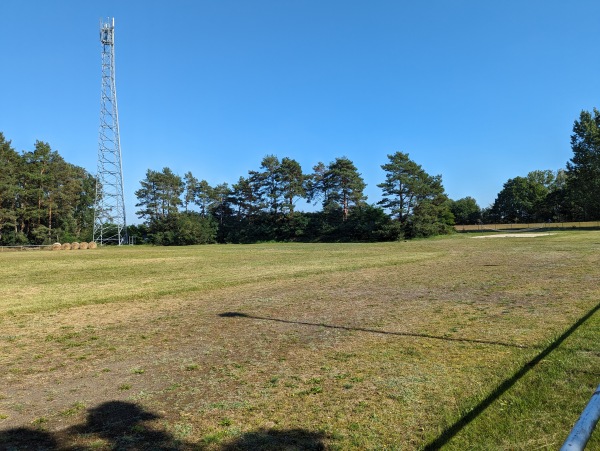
{"points": [[345, 346]]}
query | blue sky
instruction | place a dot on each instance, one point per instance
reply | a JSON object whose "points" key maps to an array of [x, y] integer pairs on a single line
{"points": [[477, 91]]}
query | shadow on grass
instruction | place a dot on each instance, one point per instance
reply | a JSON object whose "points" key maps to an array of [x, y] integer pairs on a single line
{"points": [[119, 425], [267, 440], [122, 425], [112, 425], [455, 428], [26, 438], [373, 331]]}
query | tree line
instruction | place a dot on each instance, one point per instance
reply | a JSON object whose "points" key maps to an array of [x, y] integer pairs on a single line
{"points": [[44, 199], [567, 194], [262, 206]]}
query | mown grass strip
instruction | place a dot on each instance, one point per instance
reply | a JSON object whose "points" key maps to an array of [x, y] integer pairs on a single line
{"points": [[69, 279]]}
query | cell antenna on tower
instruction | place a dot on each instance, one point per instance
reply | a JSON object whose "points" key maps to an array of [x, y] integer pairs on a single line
{"points": [[110, 226]]}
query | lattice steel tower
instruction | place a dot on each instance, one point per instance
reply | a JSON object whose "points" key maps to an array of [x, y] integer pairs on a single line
{"points": [[110, 226]]}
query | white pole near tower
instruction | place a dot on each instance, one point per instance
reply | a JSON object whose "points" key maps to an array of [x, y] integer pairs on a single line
{"points": [[110, 226]]}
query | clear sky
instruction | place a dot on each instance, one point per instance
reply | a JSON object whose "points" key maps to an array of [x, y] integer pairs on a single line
{"points": [[477, 91]]}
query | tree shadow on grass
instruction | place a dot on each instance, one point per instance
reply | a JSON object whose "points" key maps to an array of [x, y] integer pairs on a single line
{"points": [[373, 331]]}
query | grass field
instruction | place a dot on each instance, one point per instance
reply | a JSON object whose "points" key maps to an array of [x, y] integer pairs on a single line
{"points": [[453, 343]]}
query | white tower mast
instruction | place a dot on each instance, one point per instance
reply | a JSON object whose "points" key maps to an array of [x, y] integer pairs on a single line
{"points": [[110, 226]]}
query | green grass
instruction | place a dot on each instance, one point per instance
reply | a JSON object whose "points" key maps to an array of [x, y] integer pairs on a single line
{"points": [[453, 342], [61, 279]]}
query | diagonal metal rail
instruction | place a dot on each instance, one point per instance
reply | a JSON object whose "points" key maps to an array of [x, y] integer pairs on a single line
{"points": [[582, 431]]}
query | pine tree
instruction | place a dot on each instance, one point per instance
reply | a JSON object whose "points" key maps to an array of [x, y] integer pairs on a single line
{"points": [[345, 185], [415, 199], [583, 170]]}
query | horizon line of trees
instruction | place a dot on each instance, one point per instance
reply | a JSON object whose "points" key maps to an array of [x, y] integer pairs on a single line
{"points": [[262, 205], [44, 199], [565, 195]]}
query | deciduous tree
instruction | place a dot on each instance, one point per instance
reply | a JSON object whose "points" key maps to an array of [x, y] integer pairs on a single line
{"points": [[465, 211]]}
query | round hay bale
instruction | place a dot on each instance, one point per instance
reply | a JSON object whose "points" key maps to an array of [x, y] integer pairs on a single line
{"points": [[66, 246], [75, 245], [83, 245], [56, 247], [92, 245]]}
